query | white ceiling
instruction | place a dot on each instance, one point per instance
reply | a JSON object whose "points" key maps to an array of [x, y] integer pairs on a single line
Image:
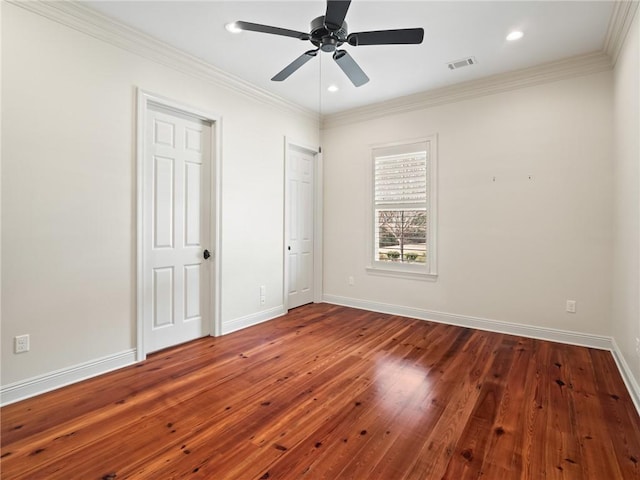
{"points": [[553, 30]]}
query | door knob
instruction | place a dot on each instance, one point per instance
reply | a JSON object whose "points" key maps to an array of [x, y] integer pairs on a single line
{"points": [[206, 254]]}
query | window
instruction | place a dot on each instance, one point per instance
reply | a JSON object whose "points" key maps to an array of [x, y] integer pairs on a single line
{"points": [[404, 209]]}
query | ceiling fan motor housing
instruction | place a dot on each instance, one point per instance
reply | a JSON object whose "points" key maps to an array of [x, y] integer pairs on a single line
{"points": [[327, 39]]}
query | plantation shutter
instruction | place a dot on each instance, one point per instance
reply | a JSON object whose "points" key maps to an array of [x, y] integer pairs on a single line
{"points": [[401, 179]]}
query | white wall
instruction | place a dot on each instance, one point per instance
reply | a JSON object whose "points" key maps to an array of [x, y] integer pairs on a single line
{"points": [[69, 200], [1, 8], [512, 250], [626, 201]]}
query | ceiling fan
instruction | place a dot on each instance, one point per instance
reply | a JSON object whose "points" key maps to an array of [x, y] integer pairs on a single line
{"points": [[328, 33]]}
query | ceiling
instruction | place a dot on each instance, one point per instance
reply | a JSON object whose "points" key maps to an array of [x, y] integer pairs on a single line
{"points": [[553, 30]]}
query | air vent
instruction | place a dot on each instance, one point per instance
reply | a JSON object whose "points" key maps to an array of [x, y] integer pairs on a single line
{"points": [[465, 62]]}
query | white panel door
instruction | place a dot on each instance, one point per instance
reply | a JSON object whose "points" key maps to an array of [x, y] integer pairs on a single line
{"points": [[177, 176], [300, 167]]}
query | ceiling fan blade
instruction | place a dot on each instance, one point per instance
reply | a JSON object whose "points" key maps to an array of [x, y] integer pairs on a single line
{"points": [[256, 27], [404, 36], [350, 67], [295, 65], [336, 11]]}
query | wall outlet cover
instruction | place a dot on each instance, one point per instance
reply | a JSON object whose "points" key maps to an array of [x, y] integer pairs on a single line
{"points": [[21, 344]]}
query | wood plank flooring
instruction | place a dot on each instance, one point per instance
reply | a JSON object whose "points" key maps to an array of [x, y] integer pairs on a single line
{"points": [[330, 392]]}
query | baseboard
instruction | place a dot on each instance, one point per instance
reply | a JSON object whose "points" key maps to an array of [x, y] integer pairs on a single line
{"points": [[627, 375], [253, 319], [542, 333], [66, 376]]}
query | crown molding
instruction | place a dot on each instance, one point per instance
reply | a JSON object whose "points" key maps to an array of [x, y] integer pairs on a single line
{"points": [[83, 19], [619, 25], [545, 73]]}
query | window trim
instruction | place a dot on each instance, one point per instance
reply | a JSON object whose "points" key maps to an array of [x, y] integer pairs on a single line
{"points": [[406, 270]]}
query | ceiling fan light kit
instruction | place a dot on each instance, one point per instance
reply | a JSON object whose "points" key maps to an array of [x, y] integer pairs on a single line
{"points": [[328, 33]]}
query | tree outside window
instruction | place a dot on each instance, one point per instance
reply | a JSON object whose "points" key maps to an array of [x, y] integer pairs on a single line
{"points": [[402, 235]]}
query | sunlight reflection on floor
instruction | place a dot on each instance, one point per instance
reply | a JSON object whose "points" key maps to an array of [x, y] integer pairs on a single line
{"points": [[400, 381]]}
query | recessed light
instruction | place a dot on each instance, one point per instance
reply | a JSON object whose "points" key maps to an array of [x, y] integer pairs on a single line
{"points": [[515, 35], [232, 27], [332, 88]]}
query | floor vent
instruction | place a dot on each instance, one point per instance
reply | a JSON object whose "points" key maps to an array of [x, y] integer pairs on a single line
{"points": [[465, 62]]}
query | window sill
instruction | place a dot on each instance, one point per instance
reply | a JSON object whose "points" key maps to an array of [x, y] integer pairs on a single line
{"points": [[401, 273]]}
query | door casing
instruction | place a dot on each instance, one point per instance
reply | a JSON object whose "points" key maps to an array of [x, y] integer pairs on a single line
{"points": [[144, 100]]}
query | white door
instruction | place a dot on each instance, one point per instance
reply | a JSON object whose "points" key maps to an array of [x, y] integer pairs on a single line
{"points": [[177, 176], [300, 183]]}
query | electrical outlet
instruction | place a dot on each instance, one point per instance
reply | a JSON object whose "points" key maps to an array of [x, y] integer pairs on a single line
{"points": [[351, 281], [571, 306], [263, 294], [638, 346], [21, 343]]}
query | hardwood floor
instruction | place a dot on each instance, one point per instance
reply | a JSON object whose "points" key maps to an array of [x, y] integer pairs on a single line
{"points": [[330, 392]]}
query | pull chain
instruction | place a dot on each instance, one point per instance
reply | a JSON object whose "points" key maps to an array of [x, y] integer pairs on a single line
{"points": [[320, 88]]}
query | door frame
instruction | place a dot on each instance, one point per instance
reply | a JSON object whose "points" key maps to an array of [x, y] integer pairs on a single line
{"points": [[144, 100], [317, 219]]}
